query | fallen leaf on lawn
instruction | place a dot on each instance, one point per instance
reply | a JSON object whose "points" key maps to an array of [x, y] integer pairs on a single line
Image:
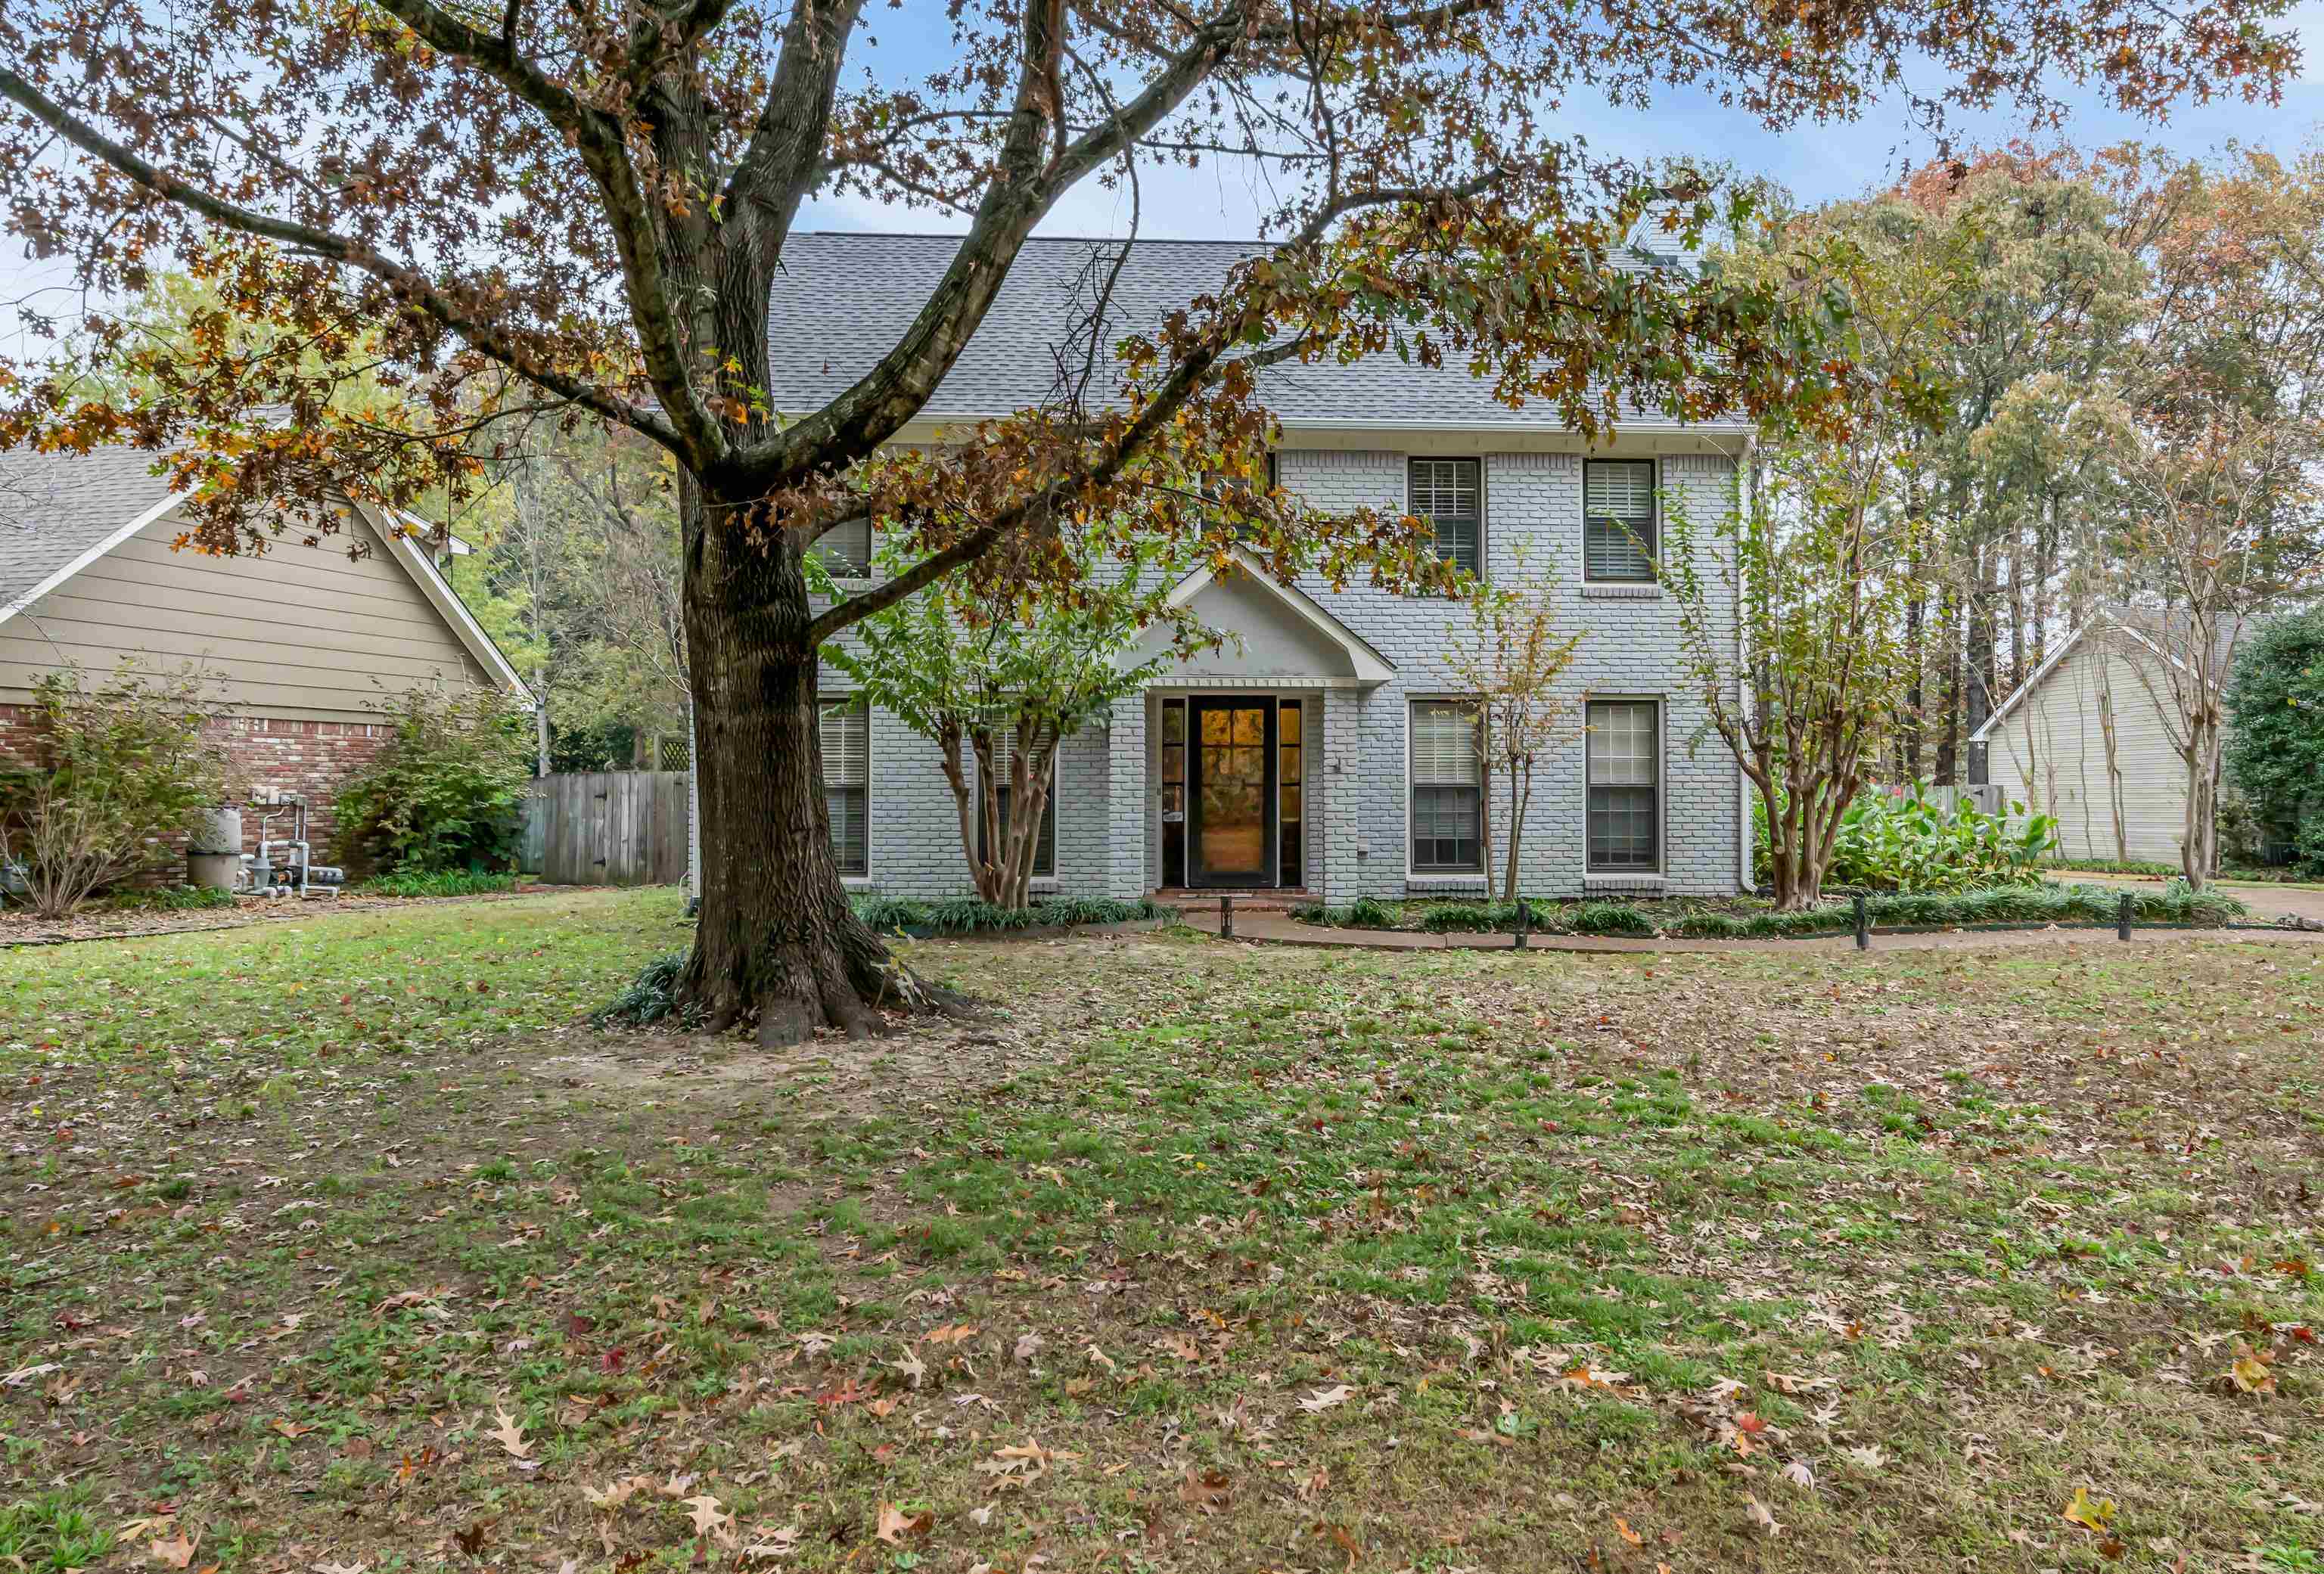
{"points": [[1027, 1346], [510, 1434], [1210, 1489], [178, 1551], [981, 1516], [780, 1543], [616, 1493], [2113, 1550], [2248, 1372], [1181, 1346], [337, 1567], [1098, 1358], [1622, 1528], [708, 1515], [1870, 1458], [1765, 1518], [951, 1333], [895, 1524], [291, 1429], [1343, 1539], [1313, 1487], [2091, 1515], [1798, 1474], [1325, 1399], [911, 1365]]}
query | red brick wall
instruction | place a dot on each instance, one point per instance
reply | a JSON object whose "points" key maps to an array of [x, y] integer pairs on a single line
{"points": [[267, 754]]}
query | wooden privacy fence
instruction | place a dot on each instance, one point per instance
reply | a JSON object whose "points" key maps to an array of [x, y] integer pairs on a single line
{"points": [[608, 828]]}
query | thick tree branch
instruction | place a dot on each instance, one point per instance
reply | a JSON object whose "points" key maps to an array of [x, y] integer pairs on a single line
{"points": [[599, 139], [498, 345]]}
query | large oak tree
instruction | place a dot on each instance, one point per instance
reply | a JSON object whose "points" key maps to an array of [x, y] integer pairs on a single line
{"points": [[582, 205]]}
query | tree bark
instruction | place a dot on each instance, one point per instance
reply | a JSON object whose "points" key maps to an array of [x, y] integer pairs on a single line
{"points": [[778, 942]]}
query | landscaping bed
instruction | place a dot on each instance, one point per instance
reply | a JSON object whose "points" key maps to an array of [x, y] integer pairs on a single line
{"points": [[961, 915], [1689, 918], [178, 910]]}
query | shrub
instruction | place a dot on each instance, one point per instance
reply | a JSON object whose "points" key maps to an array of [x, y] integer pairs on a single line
{"points": [[442, 882], [651, 995], [1610, 918], [119, 768], [447, 791], [1912, 843], [973, 915], [169, 899], [2276, 743], [1479, 917], [2176, 903]]}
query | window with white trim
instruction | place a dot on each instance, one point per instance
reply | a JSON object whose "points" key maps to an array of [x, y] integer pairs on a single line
{"points": [[1004, 774], [845, 548], [1617, 520], [1625, 811], [846, 728], [1449, 493], [1448, 795]]}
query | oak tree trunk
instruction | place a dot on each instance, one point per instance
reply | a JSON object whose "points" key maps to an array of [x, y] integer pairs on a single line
{"points": [[778, 942]]}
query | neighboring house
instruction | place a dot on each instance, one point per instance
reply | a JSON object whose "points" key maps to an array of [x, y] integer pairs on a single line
{"points": [[2047, 743], [1324, 750], [304, 640]]}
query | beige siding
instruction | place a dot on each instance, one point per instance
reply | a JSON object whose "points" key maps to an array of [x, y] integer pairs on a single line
{"points": [[300, 632], [2050, 754]]}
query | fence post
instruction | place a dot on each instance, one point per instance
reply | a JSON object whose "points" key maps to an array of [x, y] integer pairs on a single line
{"points": [[1863, 924], [2122, 918], [1226, 918]]}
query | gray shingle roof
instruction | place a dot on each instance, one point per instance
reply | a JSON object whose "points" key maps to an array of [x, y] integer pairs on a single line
{"points": [[844, 300], [54, 507]]}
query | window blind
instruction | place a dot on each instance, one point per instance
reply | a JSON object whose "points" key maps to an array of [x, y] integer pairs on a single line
{"points": [[845, 727], [1618, 505], [1449, 495]]}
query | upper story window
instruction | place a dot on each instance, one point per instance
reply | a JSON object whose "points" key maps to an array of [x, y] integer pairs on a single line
{"points": [[845, 548], [1450, 494], [1617, 520]]}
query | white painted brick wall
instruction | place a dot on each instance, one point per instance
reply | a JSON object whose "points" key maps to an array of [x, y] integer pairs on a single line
{"points": [[1108, 815]]}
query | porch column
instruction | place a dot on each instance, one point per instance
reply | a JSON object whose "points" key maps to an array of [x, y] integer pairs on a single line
{"points": [[1125, 799], [1340, 872]]}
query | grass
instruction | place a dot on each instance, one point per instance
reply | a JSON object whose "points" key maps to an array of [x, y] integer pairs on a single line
{"points": [[1196, 1255], [445, 882]]}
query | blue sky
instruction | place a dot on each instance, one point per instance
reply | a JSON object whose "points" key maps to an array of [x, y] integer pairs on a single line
{"points": [[1817, 162]]}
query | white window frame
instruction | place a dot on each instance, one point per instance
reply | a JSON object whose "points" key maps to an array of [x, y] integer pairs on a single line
{"points": [[1413, 873], [1653, 519], [1483, 503], [1592, 873]]}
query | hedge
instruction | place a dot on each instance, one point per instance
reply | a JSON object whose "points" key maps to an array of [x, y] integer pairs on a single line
{"points": [[970, 916]]}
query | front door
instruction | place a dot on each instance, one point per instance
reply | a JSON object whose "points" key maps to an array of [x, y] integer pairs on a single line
{"points": [[1231, 839]]}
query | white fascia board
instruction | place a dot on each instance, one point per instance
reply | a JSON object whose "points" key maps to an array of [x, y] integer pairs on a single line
{"points": [[444, 599], [10, 609]]}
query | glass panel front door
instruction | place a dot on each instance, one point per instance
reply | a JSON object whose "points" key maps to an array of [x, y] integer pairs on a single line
{"points": [[1234, 792]]}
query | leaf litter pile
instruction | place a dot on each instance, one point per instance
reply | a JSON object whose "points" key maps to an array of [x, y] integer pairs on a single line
{"points": [[349, 1247]]}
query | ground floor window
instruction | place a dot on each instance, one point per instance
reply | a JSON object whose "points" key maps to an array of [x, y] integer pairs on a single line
{"points": [[1004, 772], [1625, 787], [1448, 807], [847, 783]]}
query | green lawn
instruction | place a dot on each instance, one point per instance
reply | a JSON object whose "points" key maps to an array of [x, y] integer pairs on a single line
{"points": [[348, 1242]]}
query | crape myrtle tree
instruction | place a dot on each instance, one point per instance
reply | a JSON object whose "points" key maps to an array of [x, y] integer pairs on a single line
{"points": [[582, 206]]}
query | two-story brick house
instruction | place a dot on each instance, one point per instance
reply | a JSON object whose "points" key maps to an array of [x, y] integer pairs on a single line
{"points": [[1323, 751]]}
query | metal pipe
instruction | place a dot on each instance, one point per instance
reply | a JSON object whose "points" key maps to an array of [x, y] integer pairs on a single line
{"points": [[1226, 918], [1863, 923], [2122, 918]]}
